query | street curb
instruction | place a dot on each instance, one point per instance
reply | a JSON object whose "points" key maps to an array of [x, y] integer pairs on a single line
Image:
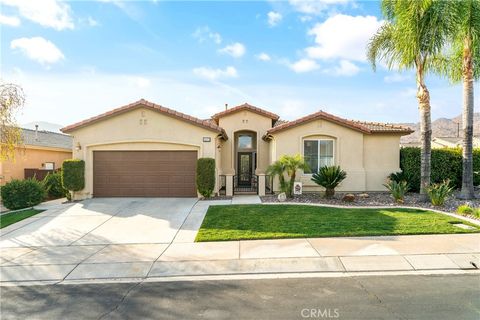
{"points": [[263, 276]]}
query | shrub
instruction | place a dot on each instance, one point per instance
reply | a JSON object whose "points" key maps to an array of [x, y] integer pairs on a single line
{"points": [[73, 174], [53, 186], [476, 212], [397, 189], [205, 176], [446, 164], [465, 209], [329, 178], [19, 194], [439, 192]]}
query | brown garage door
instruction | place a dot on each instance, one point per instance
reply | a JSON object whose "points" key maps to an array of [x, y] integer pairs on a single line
{"points": [[144, 173]]}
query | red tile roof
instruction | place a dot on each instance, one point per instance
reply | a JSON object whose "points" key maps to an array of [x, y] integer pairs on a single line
{"points": [[248, 107], [365, 127], [152, 106]]}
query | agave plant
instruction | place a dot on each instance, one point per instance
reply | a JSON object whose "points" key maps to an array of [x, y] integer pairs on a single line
{"points": [[439, 192], [397, 189], [329, 177]]}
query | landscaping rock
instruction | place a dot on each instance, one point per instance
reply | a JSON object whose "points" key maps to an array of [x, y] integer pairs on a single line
{"points": [[380, 199], [349, 197], [364, 195], [282, 197]]}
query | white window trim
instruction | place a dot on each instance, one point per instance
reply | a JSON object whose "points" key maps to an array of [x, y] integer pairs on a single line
{"points": [[318, 151]]}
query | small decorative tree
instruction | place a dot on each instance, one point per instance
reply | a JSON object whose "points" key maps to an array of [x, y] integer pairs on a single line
{"points": [[329, 178], [73, 175], [205, 176], [287, 166]]}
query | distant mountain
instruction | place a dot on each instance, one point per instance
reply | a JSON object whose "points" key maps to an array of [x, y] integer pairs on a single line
{"points": [[43, 126], [443, 127]]}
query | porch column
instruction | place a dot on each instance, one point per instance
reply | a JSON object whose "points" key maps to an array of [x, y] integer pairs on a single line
{"points": [[229, 185], [261, 185]]}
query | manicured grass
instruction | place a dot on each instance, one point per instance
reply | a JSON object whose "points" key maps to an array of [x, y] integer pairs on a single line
{"points": [[13, 217], [237, 222]]}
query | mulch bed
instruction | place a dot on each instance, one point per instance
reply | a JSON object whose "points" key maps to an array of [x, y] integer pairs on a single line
{"points": [[377, 199]]}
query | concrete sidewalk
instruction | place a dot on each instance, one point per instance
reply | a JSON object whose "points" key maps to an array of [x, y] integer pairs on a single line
{"points": [[366, 254], [181, 256]]}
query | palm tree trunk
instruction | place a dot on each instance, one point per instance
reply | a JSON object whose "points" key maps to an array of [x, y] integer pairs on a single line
{"points": [[467, 122], [423, 97]]}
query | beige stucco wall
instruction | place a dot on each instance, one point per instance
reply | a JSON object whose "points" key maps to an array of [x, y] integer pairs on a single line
{"points": [[367, 159], [128, 131], [244, 121], [31, 157], [381, 156]]}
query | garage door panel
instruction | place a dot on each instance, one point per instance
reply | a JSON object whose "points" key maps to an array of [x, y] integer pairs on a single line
{"points": [[144, 173]]}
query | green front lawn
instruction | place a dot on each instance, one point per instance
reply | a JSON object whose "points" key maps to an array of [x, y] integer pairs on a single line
{"points": [[237, 222], [10, 218]]}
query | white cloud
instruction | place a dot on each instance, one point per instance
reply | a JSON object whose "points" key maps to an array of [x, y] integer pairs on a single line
{"points": [[215, 74], [92, 22], [343, 36], [235, 50], [274, 18], [48, 13], [263, 57], [304, 65], [396, 77], [346, 68], [38, 49], [204, 33], [9, 20], [314, 7]]}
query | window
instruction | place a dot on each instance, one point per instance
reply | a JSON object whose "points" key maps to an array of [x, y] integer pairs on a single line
{"points": [[317, 153], [245, 141], [49, 165]]}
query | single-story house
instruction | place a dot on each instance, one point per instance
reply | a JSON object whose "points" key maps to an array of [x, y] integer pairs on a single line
{"points": [[145, 149], [42, 150], [452, 142]]}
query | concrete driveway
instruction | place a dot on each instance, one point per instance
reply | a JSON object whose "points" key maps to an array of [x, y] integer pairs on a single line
{"points": [[102, 222]]}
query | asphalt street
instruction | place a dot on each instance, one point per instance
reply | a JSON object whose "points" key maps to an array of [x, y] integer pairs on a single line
{"points": [[374, 297]]}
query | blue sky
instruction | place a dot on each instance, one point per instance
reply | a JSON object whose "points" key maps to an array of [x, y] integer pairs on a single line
{"points": [[77, 59]]}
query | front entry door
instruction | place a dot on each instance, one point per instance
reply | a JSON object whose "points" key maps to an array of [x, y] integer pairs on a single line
{"points": [[244, 168]]}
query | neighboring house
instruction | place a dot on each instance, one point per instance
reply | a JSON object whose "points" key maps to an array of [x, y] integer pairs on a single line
{"points": [[39, 150], [144, 149], [443, 142], [452, 142]]}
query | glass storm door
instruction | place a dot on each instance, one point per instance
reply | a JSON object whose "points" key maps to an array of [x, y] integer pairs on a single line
{"points": [[244, 168]]}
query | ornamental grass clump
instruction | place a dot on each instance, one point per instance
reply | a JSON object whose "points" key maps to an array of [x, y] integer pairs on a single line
{"points": [[464, 210], [439, 192], [397, 190]]}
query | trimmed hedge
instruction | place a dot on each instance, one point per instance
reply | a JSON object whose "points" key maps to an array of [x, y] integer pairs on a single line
{"points": [[205, 176], [19, 194], [53, 185], [446, 164], [73, 174]]}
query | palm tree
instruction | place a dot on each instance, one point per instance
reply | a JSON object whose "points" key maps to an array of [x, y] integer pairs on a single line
{"points": [[287, 165], [292, 165], [278, 169], [414, 33], [463, 65]]}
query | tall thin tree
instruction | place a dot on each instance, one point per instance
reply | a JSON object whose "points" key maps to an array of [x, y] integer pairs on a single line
{"points": [[463, 65], [415, 31]]}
